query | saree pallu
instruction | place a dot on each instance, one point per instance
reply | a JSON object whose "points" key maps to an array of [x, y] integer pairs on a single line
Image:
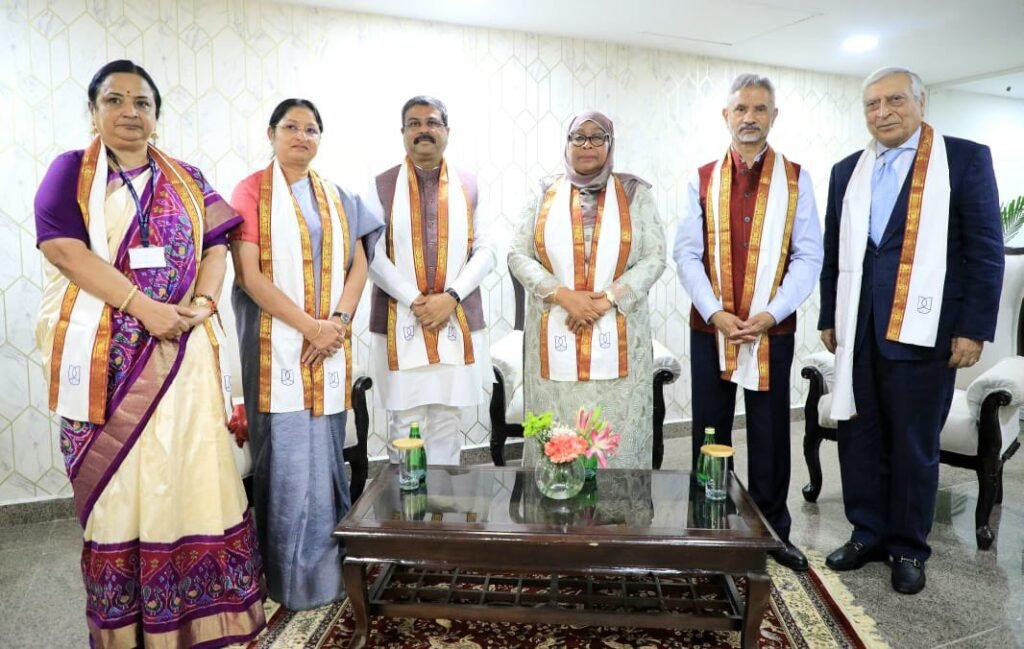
{"points": [[169, 557]]}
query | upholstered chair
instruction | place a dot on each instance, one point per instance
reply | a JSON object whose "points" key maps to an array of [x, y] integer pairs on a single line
{"points": [[507, 409], [981, 431]]}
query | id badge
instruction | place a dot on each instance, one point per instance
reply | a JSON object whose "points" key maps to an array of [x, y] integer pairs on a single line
{"points": [[151, 257]]}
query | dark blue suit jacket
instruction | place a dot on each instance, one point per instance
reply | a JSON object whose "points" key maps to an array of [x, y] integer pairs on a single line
{"points": [[974, 256]]}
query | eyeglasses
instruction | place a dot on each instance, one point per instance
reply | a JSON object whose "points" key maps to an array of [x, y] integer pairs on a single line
{"points": [[311, 132], [597, 140], [432, 124]]}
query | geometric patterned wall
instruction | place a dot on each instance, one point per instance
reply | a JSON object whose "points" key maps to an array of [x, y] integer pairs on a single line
{"points": [[222, 65]]}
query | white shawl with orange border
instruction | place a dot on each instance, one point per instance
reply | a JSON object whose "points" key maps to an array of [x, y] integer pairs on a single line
{"points": [[286, 258], [917, 303], [599, 352]]}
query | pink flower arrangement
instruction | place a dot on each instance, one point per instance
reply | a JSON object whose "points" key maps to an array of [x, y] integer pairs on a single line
{"points": [[590, 436], [564, 446]]}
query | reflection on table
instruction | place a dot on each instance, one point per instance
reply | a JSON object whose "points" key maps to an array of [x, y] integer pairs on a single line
{"points": [[636, 499]]}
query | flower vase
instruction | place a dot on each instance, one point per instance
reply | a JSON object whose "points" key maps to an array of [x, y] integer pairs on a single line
{"points": [[560, 480], [590, 467]]}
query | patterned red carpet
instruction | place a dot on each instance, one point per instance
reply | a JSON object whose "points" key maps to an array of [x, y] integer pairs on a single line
{"points": [[812, 611]]}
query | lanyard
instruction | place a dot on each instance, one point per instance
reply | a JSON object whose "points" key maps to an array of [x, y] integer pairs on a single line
{"points": [[143, 215]]}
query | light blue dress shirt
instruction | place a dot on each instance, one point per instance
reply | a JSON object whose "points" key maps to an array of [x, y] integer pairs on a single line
{"points": [[900, 168], [806, 253]]}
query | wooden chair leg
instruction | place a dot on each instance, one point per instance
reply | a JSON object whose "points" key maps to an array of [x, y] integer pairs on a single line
{"points": [[999, 487], [988, 477], [990, 465], [658, 447], [812, 444], [356, 455], [812, 433], [499, 432]]}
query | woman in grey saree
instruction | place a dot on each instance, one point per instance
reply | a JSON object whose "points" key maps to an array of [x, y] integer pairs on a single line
{"points": [[300, 261]]}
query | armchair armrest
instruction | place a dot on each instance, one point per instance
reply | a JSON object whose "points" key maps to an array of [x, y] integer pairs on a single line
{"points": [[1007, 376], [665, 360], [825, 364], [507, 359]]}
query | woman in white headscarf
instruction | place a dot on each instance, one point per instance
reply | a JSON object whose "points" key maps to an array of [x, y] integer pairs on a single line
{"points": [[587, 249]]}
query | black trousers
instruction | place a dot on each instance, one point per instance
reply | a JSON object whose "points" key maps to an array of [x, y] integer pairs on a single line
{"points": [[714, 404], [889, 452]]}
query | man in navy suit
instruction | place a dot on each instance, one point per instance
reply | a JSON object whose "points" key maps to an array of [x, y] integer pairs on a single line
{"points": [[909, 291]]}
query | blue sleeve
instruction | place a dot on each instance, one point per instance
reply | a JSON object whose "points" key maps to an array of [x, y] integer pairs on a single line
{"points": [[981, 234], [830, 261]]}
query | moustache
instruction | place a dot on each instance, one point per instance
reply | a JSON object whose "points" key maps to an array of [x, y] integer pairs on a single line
{"points": [[424, 137]]}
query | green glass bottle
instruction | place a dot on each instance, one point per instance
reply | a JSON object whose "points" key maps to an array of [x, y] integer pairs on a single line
{"points": [[702, 460], [417, 457]]}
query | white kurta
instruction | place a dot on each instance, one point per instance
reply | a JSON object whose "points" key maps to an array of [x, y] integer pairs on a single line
{"points": [[453, 385]]}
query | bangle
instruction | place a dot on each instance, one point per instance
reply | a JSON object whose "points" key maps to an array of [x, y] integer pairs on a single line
{"points": [[127, 300], [319, 328], [610, 297], [203, 300]]}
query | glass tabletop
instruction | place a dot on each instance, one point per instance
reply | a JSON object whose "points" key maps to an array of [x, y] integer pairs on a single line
{"points": [[506, 498]]}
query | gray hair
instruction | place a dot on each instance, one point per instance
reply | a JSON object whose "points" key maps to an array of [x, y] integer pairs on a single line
{"points": [[748, 80], [426, 100], [916, 85]]}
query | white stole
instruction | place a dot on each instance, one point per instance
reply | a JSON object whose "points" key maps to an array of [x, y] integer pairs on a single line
{"points": [[287, 393], [774, 232], [410, 343], [560, 342], [922, 305], [83, 323]]}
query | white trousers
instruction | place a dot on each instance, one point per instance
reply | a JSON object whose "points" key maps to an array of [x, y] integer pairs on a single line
{"points": [[439, 428]]}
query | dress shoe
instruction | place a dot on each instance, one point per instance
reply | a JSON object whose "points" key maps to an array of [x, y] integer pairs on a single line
{"points": [[907, 575], [791, 557], [853, 555]]}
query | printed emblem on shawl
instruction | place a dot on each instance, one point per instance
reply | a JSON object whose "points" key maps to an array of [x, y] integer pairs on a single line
{"points": [[125, 343]]}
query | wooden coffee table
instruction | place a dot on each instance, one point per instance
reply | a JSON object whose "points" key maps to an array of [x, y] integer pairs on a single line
{"points": [[635, 549]]}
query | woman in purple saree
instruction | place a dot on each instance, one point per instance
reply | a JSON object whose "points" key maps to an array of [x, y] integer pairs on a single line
{"points": [[135, 244]]}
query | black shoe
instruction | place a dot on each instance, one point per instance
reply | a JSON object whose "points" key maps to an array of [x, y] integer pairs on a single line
{"points": [[853, 555], [791, 557], [907, 575]]}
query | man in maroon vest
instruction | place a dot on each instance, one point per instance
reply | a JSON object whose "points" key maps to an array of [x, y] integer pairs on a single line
{"points": [[429, 352], [748, 251]]}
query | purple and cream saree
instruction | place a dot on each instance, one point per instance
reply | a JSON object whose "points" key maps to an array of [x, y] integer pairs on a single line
{"points": [[169, 556]]}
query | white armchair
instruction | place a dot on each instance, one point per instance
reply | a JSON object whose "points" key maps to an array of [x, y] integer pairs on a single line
{"points": [[507, 404], [983, 425]]}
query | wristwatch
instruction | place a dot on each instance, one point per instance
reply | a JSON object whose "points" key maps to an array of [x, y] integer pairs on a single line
{"points": [[346, 318], [455, 296]]}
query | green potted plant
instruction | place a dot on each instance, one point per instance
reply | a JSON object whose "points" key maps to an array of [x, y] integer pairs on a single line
{"points": [[1013, 218]]}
